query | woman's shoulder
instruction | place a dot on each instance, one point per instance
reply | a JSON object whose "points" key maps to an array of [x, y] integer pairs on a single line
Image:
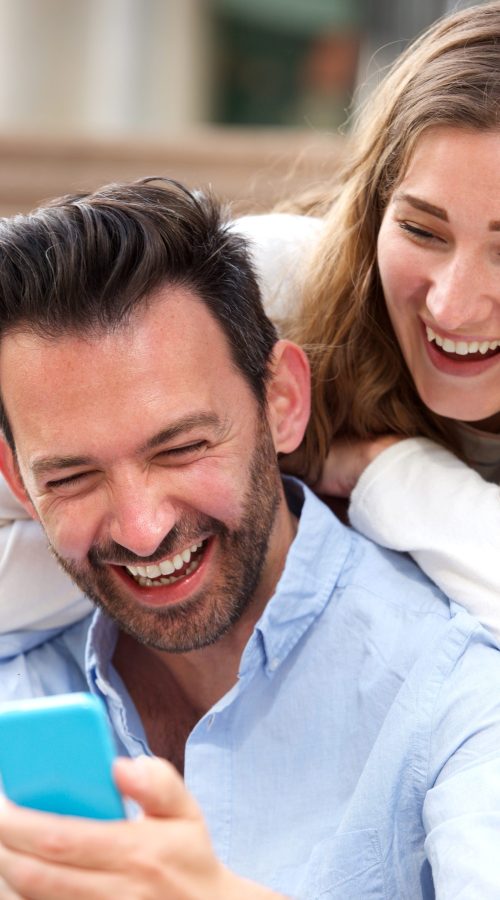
{"points": [[281, 245]]}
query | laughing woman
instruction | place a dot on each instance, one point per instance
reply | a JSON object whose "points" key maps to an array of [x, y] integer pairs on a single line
{"points": [[401, 314]]}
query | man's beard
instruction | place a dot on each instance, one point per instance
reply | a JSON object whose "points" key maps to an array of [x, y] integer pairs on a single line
{"points": [[210, 612]]}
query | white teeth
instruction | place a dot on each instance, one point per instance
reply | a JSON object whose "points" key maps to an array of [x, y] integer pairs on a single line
{"points": [[144, 574], [462, 348], [158, 582]]}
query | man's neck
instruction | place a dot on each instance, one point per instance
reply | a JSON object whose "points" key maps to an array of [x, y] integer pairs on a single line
{"points": [[173, 691], [179, 688]]}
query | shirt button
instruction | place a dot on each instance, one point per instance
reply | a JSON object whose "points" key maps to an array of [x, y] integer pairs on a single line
{"points": [[273, 665]]}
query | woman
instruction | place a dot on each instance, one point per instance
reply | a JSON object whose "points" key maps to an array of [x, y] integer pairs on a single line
{"points": [[402, 311], [393, 344]]}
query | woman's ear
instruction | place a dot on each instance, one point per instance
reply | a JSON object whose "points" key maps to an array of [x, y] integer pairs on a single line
{"points": [[288, 396], [12, 475]]}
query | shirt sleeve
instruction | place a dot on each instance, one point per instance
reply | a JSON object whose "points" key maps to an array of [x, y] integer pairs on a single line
{"points": [[461, 810], [35, 593], [418, 497], [281, 247]]}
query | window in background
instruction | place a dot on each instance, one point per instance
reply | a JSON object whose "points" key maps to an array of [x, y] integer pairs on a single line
{"points": [[285, 62]]}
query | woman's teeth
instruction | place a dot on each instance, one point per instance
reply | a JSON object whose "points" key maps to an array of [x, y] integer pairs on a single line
{"points": [[162, 573], [462, 348]]}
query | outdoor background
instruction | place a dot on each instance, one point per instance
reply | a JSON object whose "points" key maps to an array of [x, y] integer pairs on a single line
{"points": [[251, 96]]}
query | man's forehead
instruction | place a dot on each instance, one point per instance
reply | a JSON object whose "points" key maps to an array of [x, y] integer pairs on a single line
{"points": [[173, 318], [164, 366]]}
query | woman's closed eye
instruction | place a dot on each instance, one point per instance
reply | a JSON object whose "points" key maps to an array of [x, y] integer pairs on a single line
{"points": [[419, 233]]}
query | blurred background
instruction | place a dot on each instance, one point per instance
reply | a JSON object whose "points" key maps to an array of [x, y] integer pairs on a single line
{"points": [[250, 96]]}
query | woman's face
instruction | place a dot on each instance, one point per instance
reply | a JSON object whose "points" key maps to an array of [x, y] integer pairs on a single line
{"points": [[439, 262]]}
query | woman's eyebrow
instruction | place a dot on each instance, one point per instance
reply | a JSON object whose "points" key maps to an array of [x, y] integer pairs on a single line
{"points": [[422, 205], [438, 211]]}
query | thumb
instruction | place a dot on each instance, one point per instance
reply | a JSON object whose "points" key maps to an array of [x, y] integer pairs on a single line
{"points": [[156, 786]]}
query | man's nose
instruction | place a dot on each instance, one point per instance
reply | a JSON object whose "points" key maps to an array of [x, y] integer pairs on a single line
{"points": [[139, 518], [463, 296]]}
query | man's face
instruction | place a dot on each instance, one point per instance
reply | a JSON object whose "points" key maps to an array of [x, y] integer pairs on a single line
{"points": [[152, 470]]}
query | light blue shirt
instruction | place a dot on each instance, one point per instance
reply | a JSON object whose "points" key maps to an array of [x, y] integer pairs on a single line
{"points": [[360, 745]]}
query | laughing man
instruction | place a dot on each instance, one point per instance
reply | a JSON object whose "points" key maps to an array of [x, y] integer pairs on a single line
{"points": [[335, 719]]}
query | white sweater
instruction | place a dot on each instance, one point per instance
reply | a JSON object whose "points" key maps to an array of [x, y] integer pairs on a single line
{"points": [[414, 497]]}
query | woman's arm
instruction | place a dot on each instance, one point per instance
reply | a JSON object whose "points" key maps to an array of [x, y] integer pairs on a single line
{"points": [[418, 497], [35, 593]]}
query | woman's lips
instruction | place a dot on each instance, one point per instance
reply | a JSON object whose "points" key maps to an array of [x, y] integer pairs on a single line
{"points": [[462, 364]]}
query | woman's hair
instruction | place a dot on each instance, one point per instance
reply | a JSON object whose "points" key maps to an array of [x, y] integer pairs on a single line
{"points": [[450, 76]]}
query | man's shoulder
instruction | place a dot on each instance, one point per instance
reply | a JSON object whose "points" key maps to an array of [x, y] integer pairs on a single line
{"points": [[38, 663], [383, 577], [389, 599]]}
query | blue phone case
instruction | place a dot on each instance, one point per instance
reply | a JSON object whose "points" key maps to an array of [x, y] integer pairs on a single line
{"points": [[56, 755]]}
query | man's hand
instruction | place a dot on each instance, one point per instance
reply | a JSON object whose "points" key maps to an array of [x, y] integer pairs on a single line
{"points": [[165, 854], [346, 462]]}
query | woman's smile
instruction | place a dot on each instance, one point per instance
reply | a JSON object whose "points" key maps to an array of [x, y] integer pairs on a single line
{"points": [[439, 263]]}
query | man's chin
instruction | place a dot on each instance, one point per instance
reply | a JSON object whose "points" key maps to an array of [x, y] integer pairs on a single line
{"points": [[198, 622]]}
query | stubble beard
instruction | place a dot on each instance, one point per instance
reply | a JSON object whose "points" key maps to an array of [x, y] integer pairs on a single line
{"points": [[213, 610]]}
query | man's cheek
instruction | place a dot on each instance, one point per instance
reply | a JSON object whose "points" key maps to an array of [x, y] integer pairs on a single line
{"points": [[70, 536], [217, 488]]}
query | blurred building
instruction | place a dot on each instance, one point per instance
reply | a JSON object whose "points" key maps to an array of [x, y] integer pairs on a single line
{"points": [[202, 89]]}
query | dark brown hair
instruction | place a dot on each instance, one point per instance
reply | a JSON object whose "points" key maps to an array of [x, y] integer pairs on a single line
{"points": [[83, 263]]}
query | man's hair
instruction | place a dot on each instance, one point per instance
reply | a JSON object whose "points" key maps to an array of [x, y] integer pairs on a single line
{"points": [[82, 264]]}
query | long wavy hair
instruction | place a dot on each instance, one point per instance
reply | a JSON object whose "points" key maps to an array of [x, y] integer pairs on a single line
{"points": [[450, 76]]}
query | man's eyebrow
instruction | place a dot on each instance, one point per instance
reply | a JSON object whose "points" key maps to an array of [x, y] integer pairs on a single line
{"points": [[422, 205], [181, 426], [48, 463]]}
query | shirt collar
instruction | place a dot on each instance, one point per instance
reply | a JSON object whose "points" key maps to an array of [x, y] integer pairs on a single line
{"points": [[313, 564]]}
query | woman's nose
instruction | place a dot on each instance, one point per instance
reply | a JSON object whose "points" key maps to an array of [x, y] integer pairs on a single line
{"points": [[461, 297]]}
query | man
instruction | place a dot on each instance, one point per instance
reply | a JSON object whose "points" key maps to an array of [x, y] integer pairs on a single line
{"points": [[336, 720]]}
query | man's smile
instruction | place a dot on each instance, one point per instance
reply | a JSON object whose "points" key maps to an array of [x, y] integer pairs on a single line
{"points": [[169, 570]]}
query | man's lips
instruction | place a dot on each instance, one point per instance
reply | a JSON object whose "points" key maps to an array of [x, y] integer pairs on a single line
{"points": [[163, 589], [168, 570]]}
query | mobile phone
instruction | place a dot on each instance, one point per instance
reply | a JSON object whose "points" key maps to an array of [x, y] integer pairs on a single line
{"points": [[56, 755]]}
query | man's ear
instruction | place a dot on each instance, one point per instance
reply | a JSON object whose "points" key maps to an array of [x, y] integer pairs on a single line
{"points": [[288, 396], [12, 475]]}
